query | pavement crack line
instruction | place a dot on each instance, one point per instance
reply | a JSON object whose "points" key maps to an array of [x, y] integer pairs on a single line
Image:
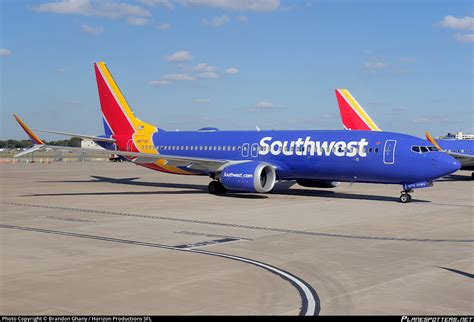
{"points": [[310, 303], [279, 230]]}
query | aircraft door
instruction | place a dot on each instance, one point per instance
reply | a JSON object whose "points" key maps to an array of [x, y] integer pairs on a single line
{"points": [[245, 150], [389, 152]]}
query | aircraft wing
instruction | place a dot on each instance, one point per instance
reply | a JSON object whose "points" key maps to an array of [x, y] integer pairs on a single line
{"points": [[201, 164], [37, 140], [82, 136], [206, 164]]}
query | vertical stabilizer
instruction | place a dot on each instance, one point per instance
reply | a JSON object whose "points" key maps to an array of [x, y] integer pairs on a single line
{"points": [[353, 116]]}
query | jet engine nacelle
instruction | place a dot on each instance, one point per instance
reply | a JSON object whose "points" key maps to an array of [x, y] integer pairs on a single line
{"points": [[318, 183], [250, 176]]}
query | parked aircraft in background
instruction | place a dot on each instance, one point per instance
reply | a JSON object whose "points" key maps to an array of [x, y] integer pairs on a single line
{"points": [[354, 117], [252, 161]]}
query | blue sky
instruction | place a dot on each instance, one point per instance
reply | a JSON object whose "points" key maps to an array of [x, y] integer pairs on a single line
{"points": [[234, 64]]}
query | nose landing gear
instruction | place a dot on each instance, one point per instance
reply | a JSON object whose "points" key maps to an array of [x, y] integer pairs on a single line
{"points": [[405, 197]]}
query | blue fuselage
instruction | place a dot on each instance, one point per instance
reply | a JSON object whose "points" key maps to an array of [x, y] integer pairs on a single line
{"points": [[355, 156], [457, 146]]}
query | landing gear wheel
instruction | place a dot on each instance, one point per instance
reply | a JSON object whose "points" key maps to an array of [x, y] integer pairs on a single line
{"points": [[405, 198], [216, 188], [472, 176]]}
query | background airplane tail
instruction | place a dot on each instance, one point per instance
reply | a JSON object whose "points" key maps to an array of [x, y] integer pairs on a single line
{"points": [[118, 117], [354, 117]]}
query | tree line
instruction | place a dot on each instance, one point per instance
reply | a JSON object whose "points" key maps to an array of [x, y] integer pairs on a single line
{"points": [[22, 144]]}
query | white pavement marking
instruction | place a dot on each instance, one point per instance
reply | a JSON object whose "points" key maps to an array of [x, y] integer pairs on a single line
{"points": [[311, 308], [310, 303]]}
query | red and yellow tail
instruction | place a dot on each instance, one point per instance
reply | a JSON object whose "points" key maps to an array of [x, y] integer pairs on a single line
{"points": [[119, 121], [354, 117]]}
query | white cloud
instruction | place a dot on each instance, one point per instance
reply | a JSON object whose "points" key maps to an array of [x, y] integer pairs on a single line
{"points": [[180, 56], [464, 38], [201, 101], [151, 3], [178, 77], [107, 8], [92, 30], [216, 21], [137, 21], [375, 65], [209, 75], [231, 71], [5, 52], [163, 26], [160, 82], [466, 23], [422, 120], [243, 19], [263, 106], [202, 67], [238, 5]]}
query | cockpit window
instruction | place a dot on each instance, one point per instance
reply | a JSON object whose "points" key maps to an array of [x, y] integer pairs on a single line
{"points": [[423, 149]]}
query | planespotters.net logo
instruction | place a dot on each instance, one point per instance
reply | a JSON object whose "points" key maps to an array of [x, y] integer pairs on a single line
{"points": [[307, 146], [437, 318]]}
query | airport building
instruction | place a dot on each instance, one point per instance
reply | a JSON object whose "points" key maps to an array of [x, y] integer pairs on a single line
{"points": [[458, 136], [88, 143]]}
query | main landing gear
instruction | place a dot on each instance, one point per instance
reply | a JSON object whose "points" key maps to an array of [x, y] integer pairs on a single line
{"points": [[216, 188], [405, 197]]}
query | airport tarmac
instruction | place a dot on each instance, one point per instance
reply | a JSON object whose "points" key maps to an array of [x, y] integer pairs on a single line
{"points": [[114, 238]]}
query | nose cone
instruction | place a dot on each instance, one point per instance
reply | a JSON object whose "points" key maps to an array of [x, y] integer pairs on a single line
{"points": [[447, 164]]}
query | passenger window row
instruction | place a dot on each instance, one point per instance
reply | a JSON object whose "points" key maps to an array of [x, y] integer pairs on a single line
{"points": [[258, 148], [460, 151], [197, 148]]}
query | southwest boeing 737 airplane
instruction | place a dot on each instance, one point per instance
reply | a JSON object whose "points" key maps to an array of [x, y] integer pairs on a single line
{"points": [[354, 117], [252, 161]]}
